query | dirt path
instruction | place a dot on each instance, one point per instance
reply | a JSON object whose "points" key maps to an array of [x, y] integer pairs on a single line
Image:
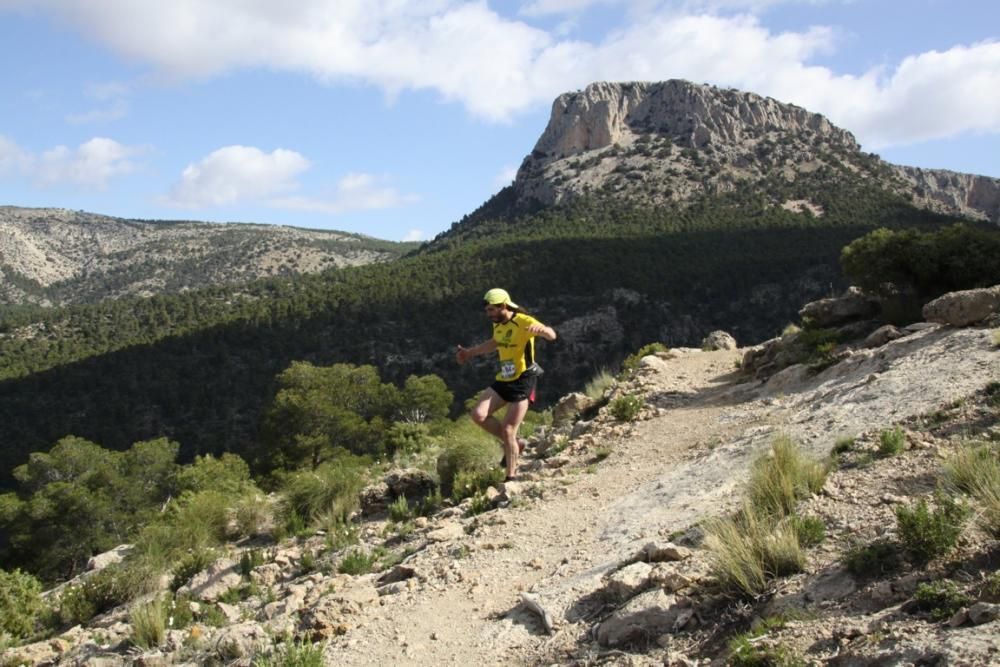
{"points": [[685, 460]]}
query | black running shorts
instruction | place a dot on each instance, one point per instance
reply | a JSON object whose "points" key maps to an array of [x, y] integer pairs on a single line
{"points": [[515, 391]]}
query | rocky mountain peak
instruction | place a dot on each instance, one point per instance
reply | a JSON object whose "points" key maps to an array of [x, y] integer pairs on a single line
{"points": [[657, 143]]}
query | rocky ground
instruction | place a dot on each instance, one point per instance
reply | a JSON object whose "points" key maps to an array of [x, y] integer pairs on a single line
{"points": [[594, 556]]}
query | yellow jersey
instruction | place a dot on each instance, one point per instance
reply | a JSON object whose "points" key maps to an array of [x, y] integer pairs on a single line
{"points": [[515, 346]]}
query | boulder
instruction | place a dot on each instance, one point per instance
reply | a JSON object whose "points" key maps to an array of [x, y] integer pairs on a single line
{"points": [[648, 615], [960, 309], [569, 407], [410, 482], [718, 340], [882, 335], [374, 499], [334, 614], [101, 561], [853, 305]]}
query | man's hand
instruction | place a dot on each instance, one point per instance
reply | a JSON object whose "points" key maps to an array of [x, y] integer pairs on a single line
{"points": [[462, 355]]}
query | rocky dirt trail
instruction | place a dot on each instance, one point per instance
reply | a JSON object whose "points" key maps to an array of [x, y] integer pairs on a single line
{"points": [[571, 526]]}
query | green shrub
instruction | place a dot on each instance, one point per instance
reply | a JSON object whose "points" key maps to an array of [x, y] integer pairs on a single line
{"points": [[942, 599], [777, 482], [844, 445], [431, 503], [632, 361], [357, 561], [250, 559], [745, 651], [471, 483], [399, 510], [809, 529], [340, 535], [480, 503], [596, 388], [471, 456], [926, 534], [891, 443], [113, 586], [626, 408], [292, 654], [873, 560], [191, 564], [251, 512], [20, 604], [149, 624]]}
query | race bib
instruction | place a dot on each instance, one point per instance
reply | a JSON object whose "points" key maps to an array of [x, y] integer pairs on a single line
{"points": [[507, 369]]}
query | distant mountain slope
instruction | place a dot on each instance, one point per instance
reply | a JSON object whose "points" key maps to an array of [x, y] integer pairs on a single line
{"points": [[668, 142], [59, 257]]}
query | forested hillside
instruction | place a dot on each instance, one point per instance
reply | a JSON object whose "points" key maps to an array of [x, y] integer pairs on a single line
{"points": [[199, 367]]}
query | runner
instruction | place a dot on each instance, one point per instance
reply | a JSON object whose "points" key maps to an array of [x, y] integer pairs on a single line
{"points": [[513, 340]]}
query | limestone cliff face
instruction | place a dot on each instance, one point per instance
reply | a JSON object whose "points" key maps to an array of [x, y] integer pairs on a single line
{"points": [[656, 143]]}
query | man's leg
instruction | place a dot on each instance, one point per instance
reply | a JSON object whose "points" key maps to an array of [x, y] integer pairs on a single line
{"points": [[482, 413], [511, 422]]}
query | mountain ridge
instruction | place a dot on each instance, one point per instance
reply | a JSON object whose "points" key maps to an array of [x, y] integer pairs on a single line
{"points": [[51, 256]]}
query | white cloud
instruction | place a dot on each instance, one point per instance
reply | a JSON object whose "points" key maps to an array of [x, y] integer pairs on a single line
{"points": [[354, 192], [497, 66], [91, 165], [414, 235], [235, 174], [12, 158]]}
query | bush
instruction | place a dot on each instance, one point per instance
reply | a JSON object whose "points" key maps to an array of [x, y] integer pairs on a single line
{"points": [[925, 535], [113, 586], [191, 564], [626, 408], [470, 456], [873, 560], [20, 603], [357, 561], [891, 443], [810, 530], [471, 483], [779, 481], [942, 599], [149, 624], [292, 654], [399, 510]]}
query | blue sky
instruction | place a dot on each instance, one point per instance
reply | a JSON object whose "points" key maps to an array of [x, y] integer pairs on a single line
{"points": [[395, 118]]}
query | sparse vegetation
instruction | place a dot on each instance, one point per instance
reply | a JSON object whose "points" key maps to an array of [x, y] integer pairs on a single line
{"points": [[149, 624], [598, 385], [293, 653], [626, 408], [926, 534], [779, 481], [942, 599], [891, 442], [632, 361], [873, 560], [357, 561]]}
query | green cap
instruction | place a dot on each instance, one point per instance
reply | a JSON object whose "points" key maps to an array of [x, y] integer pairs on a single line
{"points": [[497, 296]]}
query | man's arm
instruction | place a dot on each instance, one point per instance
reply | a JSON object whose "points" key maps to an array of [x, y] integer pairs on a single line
{"points": [[539, 329], [463, 354]]}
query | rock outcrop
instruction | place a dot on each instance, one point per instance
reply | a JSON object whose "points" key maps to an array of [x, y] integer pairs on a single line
{"points": [[669, 141]]}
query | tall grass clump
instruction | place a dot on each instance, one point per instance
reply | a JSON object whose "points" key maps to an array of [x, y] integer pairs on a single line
{"points": [[750, 549], [332, 488], [975, 470], [764, 539], [599, 385], [626, 408], [149, 624], [779, 481]]}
